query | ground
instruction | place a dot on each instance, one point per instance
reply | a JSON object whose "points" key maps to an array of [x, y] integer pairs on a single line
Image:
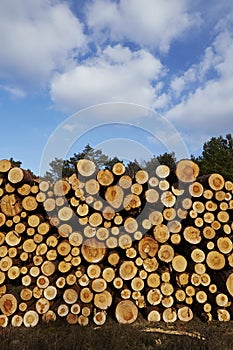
{"points": [[142, 335]]}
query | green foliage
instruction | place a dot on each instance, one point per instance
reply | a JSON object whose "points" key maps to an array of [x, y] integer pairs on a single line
{"points": [[168, 159], [217, 157], [15, 163], [65, 168]]}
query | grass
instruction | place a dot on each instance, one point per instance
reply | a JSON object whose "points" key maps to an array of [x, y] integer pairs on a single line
{"points": [[61, 336]]}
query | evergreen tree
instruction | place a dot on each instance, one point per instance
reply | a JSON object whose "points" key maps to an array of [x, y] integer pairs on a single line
{"points": [[217, 157]]}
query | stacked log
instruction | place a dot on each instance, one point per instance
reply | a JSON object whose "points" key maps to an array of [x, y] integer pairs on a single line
{"points": [[101, 242]]}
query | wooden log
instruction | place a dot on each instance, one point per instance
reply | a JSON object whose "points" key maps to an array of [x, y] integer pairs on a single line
{"points": [[126, 293], [162, 171], [179, 263], [192, 235], [131, 201], [164, 185], [205, 279], [65, 213], [86, 167], [137, 284], [71, 279], [125, 241], [105, 177], [12, 238], [153, 280], [136, 188], [2, 219], [154, 316], [11, 205], [168, 199], [92, 187], [103, 300], [70, 296], [224, 245], [5, 165], [127, 270], [154, 296], [152, 196], [229, 284], [13, 272], [98, 285], [200, 268], [167, 301], [198, 207], [215, 260], [161, 233], [147, 247], [198, 255], [75, 309], [16, 321], [130, 225], [141, 177], [42, 282], [216, 182], [49, 316], [86, 295], [150, 264], [223, 315], [99, 318], [114, 196], [30, 318], [180, 295], [166, 288], [29, 203], [9, 188], [209, 232], [223, 216], [187, 170], [118, 283], [169, 315], [5, 263], [8, 304], [63, 310], [42, 305], [185, 314], [125, 181], [26, 280], [196, 189], [166, 253], [108, 274], [169, 214], [95, 219], [126, 312], [118, 168], [61, 187], [153, 181], [113, 258], [93, 251], [222, 300]]}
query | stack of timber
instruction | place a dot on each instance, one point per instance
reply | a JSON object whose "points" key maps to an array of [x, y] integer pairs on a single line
{"points": [[101, 242]]}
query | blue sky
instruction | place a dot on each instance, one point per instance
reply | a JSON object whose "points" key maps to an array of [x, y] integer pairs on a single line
{"points": [[173, 57]]}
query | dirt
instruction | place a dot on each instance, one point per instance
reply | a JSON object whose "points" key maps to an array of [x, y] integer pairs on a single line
{"points": [[141, 335]]}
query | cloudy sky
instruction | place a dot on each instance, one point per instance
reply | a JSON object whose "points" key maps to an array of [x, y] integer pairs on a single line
{"points": [[57, 58]]}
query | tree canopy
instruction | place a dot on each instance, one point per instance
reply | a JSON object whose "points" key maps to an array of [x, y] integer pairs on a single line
{"points": [[217, 157]]}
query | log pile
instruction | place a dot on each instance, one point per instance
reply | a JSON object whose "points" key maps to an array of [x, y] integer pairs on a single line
{"points": [[101, 242]]}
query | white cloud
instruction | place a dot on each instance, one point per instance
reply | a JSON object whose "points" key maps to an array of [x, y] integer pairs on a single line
{"points": [[147, 23], [14, 91], [116, 74], [209, 108], [36, 37]]}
